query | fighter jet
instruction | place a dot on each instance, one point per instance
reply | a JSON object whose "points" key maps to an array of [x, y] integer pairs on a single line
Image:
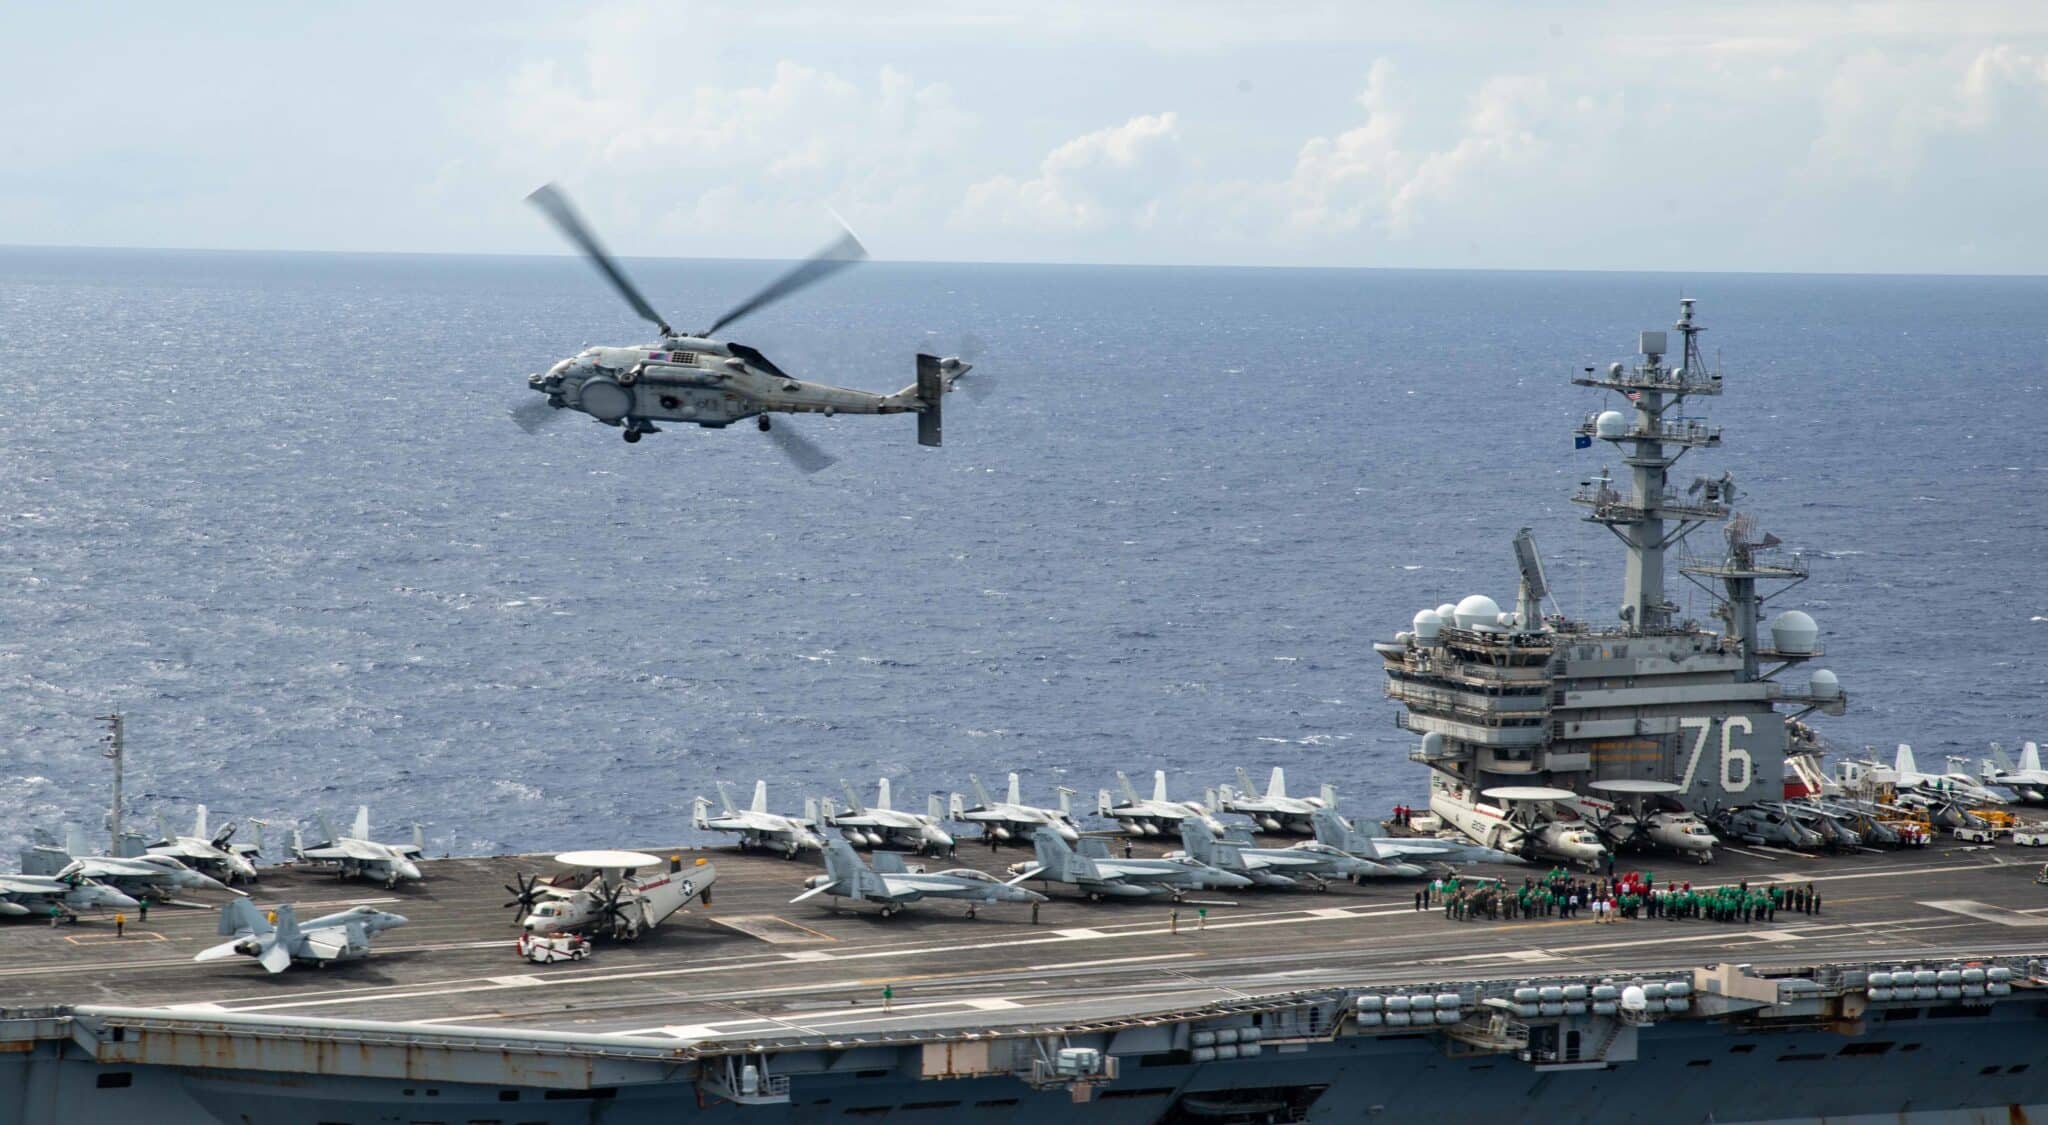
{"points": [[153, 876], [34, 896], [1013, 819], [756, 826], [1333, 830], [1308, 862], [2029, 781], [879, 824], [1155, 817], [355, 855], [212, 853], [1912, 784], [275, 945], [1099, 877], [893, 885], [1274, 811]]}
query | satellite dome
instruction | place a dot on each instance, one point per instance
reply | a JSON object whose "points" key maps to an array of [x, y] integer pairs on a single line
{"points": [[1824, 684], [1476, 611], [1448, 613], [1428, 624], [1614, 370], [1794, 632], [1633, 999], [1610, 424], [1432, 744]]}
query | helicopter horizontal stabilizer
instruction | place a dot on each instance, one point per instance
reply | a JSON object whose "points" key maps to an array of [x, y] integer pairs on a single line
{"points": [[931, 388]]}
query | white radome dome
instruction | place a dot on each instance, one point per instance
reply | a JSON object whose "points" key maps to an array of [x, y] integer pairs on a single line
{"points": [[1610, 424], [1794, 632], [1476, 611], [1432, 744], [1824, 684], [1634, 999], [1448, 613], [1428, 624]]}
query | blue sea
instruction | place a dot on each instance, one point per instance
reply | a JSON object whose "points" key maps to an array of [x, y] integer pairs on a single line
{"points": [[273, 509]]}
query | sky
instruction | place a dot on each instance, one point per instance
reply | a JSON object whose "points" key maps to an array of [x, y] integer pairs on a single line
{"points": [[1781, 136]]}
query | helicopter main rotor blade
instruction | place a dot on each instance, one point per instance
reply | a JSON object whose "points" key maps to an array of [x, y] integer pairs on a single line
{"points": [[843, 252], [533, 414], [801, 453], [551, 200]]}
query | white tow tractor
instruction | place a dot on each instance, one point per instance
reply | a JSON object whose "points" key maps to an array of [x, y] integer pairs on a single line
{"points": [[1975, 833], [546, 949], [2030, 837]]}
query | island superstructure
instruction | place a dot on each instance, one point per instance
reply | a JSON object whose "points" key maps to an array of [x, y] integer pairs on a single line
{"points": [[1525, 701]]}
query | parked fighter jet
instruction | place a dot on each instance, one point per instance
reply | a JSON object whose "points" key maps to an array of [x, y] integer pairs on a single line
{"points": [[1098, 876], [2029, 780], [344, 936], [355, 855], [614, 894], [1274, 810], [1307, 862], [35, 896], [1906, 777], [894, 885], [152, 876], [1403, 853], [213, 853], [1155, 817], [1640, 814], [756, 826], [1012, 819], [879, 824]]}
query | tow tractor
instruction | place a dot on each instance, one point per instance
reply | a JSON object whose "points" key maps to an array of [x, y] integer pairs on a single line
{"points": [[546, 949]]}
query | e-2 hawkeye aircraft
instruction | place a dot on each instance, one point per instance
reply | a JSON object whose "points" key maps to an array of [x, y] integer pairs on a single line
{"points": [[697, 379], [615, 894], [894, 885]]}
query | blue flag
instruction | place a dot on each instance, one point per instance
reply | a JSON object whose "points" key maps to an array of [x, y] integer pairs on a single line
{"points": [[1582, 441]]}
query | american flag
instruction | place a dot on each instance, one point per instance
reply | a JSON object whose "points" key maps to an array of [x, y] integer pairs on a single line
{"points": [[1633, 396]]}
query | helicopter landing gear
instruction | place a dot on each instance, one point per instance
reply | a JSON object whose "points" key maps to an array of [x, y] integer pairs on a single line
{"points": [[762, 422]]}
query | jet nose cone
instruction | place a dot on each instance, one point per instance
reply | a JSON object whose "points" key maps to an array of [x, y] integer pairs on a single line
{"points": [[1408, 870], [408, 870], [1233, 880], [119, 901]]}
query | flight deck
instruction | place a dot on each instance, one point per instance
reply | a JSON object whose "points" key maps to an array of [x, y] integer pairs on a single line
{"points": [[755, 968]]}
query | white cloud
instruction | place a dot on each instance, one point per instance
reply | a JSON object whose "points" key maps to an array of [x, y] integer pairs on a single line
{"points": [[1113, 175]]}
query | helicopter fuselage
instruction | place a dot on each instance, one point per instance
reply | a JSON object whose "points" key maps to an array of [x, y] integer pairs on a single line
{"points": [[698, 381]]}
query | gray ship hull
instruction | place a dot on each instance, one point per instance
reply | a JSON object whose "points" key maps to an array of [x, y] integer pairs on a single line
{"points": [[1922, 1065]]}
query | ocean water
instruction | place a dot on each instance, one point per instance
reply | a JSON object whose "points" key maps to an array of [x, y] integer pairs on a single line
{"points": [[272, 508]]}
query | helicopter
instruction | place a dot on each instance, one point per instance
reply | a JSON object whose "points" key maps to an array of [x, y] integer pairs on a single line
{"points": [[694, 378]]}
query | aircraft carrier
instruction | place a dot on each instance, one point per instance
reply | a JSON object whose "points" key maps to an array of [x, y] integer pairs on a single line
{"points": [[1919, 990]]}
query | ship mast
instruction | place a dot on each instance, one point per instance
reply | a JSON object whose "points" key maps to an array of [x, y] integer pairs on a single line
{"points": [[1651, 518]]}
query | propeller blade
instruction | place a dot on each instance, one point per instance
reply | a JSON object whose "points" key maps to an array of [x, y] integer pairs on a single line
{"points": [[532, 415], [801, 453], [843, 252], [552, 202], [817, 890]]}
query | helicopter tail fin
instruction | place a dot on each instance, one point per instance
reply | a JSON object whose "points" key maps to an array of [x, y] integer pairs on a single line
{"points": [[931, 391]]}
